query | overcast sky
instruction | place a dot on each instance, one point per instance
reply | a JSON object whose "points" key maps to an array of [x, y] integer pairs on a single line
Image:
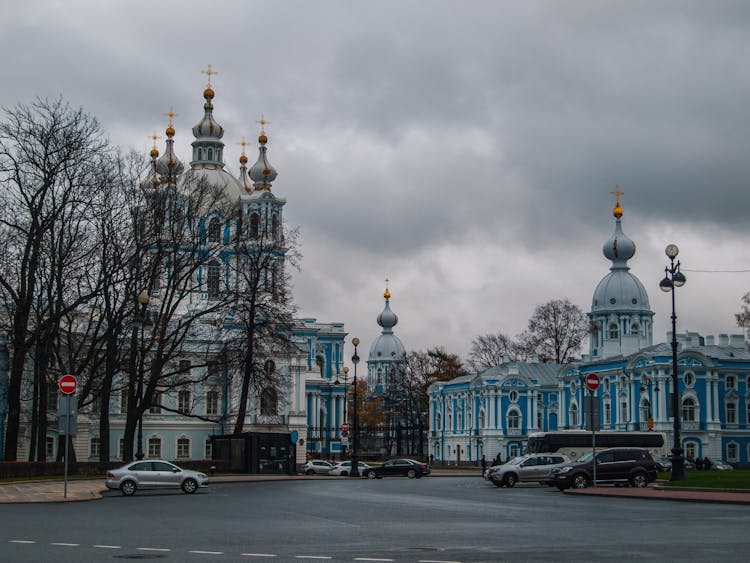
{"points": [[464, 150]]}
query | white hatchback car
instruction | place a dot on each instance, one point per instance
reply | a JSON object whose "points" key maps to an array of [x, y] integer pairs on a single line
{"points": [[344, 468], [533, 468], [316, 466]]}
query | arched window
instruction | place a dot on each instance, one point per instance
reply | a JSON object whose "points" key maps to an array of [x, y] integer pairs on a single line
{"points": [[635, 329], [691, 450], [269, 402], [210, 154], [438, 421], [212, 281], [254, 225], [269, 367], [214, 230], [688, 410], [645, 409], [733, 451], [614, 333], [275, 227], [513, 450], [183, 448], [482, 419], [514, 419]]}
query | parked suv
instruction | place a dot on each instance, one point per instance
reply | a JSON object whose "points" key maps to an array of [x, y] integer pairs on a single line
{"points": [[621, 466], [529, 468]]}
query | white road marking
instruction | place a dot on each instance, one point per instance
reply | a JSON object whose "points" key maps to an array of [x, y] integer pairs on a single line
{"points": [[152, 549], [258, 554], [21, 541], [65, 544], [371, 559], [312, 557], [108, 546], [436, 561], [200, 552]]}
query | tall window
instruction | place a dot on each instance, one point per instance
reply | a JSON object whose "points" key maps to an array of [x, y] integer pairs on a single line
{"points": [[514, 419], [275, 227], [574, 415], [254, 225], [183, 448], [209, 449], [95, 447], [214, 230], [624, 411], [52, 396], [50, 447], [731, 382], [513, 451], [121, 448], [732, 413], [212, 279], [156, 404], [124, 401], [437, 421], [269, 402], [183, 401], [614, 333], [691, 450], [607, 413], [212, 403], [635, 329], [688, 410], [154, 447], [733, 452]]}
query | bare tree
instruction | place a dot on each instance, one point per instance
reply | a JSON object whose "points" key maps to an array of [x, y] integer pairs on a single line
{"points": [[489, 350], [555, 332], [53, 161], [743, 317]]}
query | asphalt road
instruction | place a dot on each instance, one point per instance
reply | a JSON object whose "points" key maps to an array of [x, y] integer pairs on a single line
{"points": [[437, 519]]}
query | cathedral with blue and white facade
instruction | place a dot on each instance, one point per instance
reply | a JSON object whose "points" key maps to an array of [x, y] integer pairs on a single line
{"points": [[493, 412]]}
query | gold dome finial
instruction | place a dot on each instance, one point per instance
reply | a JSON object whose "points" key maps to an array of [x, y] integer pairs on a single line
{"points": [[262, 137], [171, 115], [154, 150], [617, 211], [208, 93], [387, 293], [243, 156]]}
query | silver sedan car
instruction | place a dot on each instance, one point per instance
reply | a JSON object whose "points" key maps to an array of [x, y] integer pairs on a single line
{"points": [[154, 474]]}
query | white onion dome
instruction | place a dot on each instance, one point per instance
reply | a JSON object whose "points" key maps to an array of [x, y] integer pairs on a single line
{"points": [[169, 164], [262, 173], [208, 147], [387, 346], [619, 290]]}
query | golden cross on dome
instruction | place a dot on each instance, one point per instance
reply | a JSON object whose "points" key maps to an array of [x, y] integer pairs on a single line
{"points": [[617, 193], [243, 143], [154, 137], [263, 123], [209, 72], [171, 115], [386, 282]]}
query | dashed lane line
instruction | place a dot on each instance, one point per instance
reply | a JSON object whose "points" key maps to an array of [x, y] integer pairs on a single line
{"points": [[153, 549], [202, 552], [21, 541], [108, 546], [63, 544], [371, 559], [312, 557], [258, 554]]}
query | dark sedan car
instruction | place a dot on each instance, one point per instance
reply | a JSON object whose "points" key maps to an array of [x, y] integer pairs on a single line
{"points": [[399, 468]]}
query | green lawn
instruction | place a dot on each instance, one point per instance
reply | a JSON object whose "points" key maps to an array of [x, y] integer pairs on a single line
{"points": [[737, 479]]}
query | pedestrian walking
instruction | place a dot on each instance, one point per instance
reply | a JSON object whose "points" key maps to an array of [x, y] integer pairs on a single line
{"points": [[484, 465], [698, 463], [706, 463]]}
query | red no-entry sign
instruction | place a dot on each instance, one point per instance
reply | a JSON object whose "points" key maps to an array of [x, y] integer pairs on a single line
{"points": [[67, 384], [345, 427], [592, 381]]}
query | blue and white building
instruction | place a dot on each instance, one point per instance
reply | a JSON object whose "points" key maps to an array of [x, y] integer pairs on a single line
{"points": [[494, 411]]}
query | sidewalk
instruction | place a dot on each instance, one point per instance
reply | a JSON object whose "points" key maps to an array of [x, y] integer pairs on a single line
{"points": [[659, 492]]}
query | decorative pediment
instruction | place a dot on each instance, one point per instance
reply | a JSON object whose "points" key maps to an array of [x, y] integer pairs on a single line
{"points": [[691, 362], [514, 383]]}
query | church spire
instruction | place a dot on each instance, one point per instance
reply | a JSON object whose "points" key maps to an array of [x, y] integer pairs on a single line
{"points": [[262, 173], [387, 319], [208, 147], [619, 248]]}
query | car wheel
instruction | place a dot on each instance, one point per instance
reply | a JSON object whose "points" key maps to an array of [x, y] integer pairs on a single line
{"points": [[309, 472], [580, 481], [371, 475], [128, 487], [189, 486], [510, 479], [411, 474], [344, 474], [639, 480]]}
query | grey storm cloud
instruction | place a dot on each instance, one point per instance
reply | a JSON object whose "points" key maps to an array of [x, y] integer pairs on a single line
{"points": [[466, 151]]}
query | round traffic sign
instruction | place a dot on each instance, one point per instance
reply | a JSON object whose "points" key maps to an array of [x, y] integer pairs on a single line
{"points": [[67, 384], [592, 381], [344, 426]]}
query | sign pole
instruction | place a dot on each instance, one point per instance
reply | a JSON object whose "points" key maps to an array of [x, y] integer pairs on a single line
{"points": [[593, 441], [67, 436], [592, 383]]}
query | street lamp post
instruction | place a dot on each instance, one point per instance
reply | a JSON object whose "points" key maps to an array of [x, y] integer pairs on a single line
{"points": [[142, 319], [346, 398], [674, 278], [355, 436]]}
